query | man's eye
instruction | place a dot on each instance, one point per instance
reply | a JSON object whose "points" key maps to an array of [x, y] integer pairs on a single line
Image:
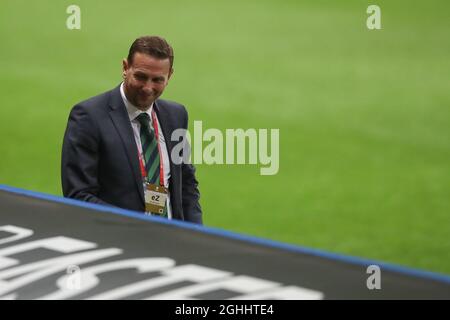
{"points": [[140, 77]]}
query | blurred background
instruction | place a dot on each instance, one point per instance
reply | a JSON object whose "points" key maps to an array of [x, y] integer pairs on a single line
{"points": [[364, 115]]}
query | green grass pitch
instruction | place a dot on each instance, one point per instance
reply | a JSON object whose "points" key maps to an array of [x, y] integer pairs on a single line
{"points": [[364, 115]]}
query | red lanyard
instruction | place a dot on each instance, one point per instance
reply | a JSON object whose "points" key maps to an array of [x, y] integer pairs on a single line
{"points": [[141, 160]]}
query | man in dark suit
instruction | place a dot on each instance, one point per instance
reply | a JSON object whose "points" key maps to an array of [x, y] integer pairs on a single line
{"points": [[118, 143]]}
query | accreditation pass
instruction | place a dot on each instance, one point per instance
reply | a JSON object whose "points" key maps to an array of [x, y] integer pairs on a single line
{"points": [[155, 198]]}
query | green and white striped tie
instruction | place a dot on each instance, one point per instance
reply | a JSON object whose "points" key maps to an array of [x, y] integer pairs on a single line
{"points": [[150, 151]]}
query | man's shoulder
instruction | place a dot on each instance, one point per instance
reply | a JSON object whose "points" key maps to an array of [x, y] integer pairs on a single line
{"points": [[172, 112], [95, 106], [170, 104], [171, 107], [99, 100]]}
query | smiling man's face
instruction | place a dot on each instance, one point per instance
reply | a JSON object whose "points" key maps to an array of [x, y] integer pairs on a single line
{"points": [[146, 77]]}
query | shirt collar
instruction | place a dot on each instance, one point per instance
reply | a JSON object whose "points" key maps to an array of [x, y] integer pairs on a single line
{"points": [[132, 110]]}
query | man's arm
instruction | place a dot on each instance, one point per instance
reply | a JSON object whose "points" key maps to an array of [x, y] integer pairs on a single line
{"points": [[190, 195], [79, 162], [192, 210]]}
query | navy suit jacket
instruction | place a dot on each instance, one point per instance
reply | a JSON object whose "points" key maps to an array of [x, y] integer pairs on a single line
{"points": [[100, 161]]}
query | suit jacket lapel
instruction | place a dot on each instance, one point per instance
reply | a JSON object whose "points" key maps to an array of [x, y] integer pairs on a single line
{"points": [[164, 123], [167, 129], [119, 117]]}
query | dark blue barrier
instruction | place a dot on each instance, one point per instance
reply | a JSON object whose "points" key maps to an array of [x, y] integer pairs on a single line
{"points": [[56, 248]]}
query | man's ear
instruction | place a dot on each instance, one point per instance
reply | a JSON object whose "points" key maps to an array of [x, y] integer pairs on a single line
{"points": [[125, 66]]}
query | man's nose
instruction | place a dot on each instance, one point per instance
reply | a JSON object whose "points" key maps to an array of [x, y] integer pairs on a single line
{"points": [[148, 86]]}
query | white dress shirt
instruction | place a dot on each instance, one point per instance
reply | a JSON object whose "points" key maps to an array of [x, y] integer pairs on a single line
{"points": [[133, 113]]}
